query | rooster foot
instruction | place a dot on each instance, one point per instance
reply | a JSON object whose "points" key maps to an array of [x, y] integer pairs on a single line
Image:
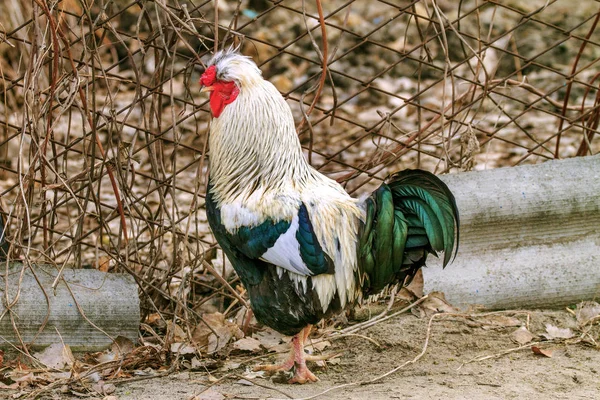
{"points": [[296, 359], [272, 368], [303, 375]]}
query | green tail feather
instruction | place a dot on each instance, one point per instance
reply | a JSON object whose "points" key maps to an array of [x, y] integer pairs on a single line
{"points": [[414, 213]]}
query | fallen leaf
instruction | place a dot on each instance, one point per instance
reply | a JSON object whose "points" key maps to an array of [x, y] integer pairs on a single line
{"points": [[106, 356], [175, 330], [317, 347], [153, 319], [334, 361], [542, 352], [416, 285], [209, 394], [57, 356], [104, 263], [12, 386], [435, 303], [104, 388], [406, 295], [587, 311], [54, 376], [93, 377], [18, 377], [254, 374], [269, 338], [230, 366], [196, 363], [247, 344], [553, 332], [215, 332], [522, 335], [182, 349], [245, 318], [122, 346]]}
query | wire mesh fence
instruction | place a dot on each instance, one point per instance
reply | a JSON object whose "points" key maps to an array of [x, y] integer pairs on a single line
{"points": [[103, 132]]}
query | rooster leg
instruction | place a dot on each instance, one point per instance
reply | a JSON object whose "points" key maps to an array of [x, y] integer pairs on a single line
{"points": [[297, 358], [302, 373]]}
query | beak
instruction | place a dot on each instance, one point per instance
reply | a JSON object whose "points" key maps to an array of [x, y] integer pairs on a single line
{"points": [[206, 89]]}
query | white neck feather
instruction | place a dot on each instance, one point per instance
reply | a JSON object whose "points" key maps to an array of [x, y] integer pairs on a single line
{"points": [[254, 145]]}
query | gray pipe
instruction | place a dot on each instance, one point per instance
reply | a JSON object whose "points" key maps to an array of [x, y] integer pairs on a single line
{"points": [[108, 301], [530, 236]]}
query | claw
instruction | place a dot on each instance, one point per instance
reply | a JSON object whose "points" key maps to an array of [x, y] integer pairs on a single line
{"points": [[303, 375], [297, 359], [286, 366]]}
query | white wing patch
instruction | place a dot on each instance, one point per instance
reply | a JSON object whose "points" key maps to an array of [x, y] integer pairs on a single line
{"points": [[235, 215], [285, 253]]}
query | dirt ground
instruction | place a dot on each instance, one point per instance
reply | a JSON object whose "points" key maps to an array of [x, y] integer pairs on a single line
{"points": [[444, 372]]}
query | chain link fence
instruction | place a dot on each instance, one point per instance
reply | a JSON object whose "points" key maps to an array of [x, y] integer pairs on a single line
{"points": [[103, 131]]}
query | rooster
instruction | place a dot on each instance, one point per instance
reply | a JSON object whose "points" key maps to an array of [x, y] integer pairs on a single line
{"points": [[303, 248]]}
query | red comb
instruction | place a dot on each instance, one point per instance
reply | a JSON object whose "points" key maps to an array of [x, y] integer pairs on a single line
{"points": [[209, 76]]}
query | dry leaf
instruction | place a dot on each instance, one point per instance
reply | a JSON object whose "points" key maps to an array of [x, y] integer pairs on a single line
{"points": [[230, 366], [176, 331], [247, 344], [106, 356], [586, 312], [54, 376], [269, 338], [416, 285], [104, 263], [209, 394], [406, 295], [196, 363], [435, 303], [317, 347], [182, 349], [122, 346], [334, 361], [104, 388], [216, 338], [253, 374], [542, 352], [522, 335], [19, 376], [153, 319], [57, 356], [553, 332], [12, 386]]}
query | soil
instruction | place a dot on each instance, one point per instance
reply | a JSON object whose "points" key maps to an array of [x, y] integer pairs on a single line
{"points": [[444, 372]]}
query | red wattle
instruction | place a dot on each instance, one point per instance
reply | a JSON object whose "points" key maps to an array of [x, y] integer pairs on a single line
{"points": [[223, 93]]}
